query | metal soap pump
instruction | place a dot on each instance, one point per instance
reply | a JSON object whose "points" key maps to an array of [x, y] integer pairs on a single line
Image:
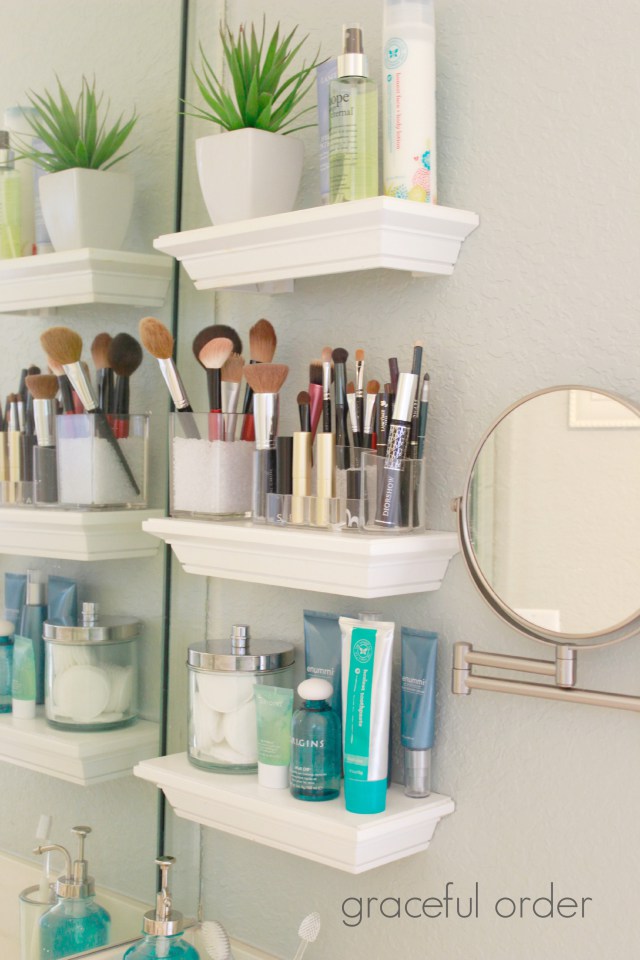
{"points": [[163, 927], [76, 923]]}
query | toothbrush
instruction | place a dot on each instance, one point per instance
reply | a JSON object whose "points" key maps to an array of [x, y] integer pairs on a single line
{"points": [[43, 833], [215, 940], [308, 932]]}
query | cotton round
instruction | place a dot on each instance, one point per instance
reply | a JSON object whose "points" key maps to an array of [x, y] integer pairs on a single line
{"points": [[225, 693], [240, 730], [81, 692]]}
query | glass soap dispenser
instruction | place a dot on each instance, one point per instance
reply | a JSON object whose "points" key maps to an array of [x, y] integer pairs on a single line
{"points": [[163, 927], [315, 744], [76, 923]]}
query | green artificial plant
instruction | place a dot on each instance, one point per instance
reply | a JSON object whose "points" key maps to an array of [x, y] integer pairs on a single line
{"points": [[260, 97], [75, 135]]}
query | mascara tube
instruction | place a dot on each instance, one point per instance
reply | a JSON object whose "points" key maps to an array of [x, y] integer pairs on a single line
{"points": [[389, 507]]}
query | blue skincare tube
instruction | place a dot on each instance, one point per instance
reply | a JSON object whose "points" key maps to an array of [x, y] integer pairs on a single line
{"points": [[323, 652], [418, 706], [15, 592], [62, 601]]}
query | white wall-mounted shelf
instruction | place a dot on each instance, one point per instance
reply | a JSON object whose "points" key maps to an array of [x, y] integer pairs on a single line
{"points": [[82, 758], [323, 832], [347, 564], [83, 276], [340, 238], [76, 534]]}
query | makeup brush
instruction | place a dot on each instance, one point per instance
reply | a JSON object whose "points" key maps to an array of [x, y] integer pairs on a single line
{"points": [[308, 932], [104, 373], [158, 341], [326, 390], [231, 376], [213, 356], [266, 380], [315, 394], [262, 347], [42, 389], [212, 333], [372, 392], [64, 346], [64, 386], [124, 357], [340, 357], [28, 429], [353, 415], [14, 448], [360, 390], [304, 411]]}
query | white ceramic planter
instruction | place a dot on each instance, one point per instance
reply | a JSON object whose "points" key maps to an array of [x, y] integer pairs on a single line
{"points": [[248, 173], [86, 208]]}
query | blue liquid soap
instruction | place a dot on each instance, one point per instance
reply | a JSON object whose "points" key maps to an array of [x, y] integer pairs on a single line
{"points": [[76, 923], [163, 927], [6, 665], [315, 744]]}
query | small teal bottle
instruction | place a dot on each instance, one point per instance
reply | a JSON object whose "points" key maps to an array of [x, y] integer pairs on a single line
{"points": [[76, 923], [6, 665], [163, 927], [315, 744], [34, 614]]}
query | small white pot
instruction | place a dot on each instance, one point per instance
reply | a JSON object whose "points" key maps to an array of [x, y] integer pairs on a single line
{"points": [[86, 208], [248, 173]]}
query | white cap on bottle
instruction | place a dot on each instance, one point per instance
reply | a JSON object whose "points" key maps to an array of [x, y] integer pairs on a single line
{"points": [[315, 689], [23, 709], [273, 775]]}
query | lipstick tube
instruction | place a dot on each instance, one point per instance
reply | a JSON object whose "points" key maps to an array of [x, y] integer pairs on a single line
{"points": [[325, 477], [389, 512], [301, 472]]}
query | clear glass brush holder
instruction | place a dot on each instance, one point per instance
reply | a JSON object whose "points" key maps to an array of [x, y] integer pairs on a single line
{"points": [[33, 906], [211, 466], [102, 461], [378, 496]]}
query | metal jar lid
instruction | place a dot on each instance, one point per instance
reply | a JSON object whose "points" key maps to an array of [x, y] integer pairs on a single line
{"points": [[240, 653], [93, 629]]}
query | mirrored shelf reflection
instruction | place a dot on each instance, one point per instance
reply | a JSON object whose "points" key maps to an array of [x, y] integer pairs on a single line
{"points": [[323, 832], [83, 276], [81, 758], [76, 534]]}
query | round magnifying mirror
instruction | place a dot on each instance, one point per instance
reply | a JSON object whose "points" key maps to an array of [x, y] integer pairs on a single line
{"points": [[550, 517]]}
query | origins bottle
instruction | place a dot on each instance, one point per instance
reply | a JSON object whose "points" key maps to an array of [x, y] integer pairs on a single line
{"points": [[77, 923], [315, 744], [10, 198], [162, 927], [353, 124]]}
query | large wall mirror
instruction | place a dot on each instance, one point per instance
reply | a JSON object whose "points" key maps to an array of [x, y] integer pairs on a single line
{"points": [[132, 48]]}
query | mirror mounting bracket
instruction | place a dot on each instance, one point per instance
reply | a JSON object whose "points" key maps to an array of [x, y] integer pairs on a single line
{"points": [[563, 672]]}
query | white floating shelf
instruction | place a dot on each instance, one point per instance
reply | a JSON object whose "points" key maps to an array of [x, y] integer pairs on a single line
{"points": [[339, 238], [76, 534], [323, 832], [82, 758], [83, 276], [347, 564]]}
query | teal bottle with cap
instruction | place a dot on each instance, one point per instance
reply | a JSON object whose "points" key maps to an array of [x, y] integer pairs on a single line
{"points": [[6, 665], [315, 744], [163, 927], [77, 923]]}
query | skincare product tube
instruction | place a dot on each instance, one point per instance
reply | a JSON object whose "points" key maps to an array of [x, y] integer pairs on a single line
{"points": [[367, 648], [418, 693], [325, 73], [62, 601], [15, 592], [274, 710], [323, 652], [34, 614], [23, 686], [409, 101]]}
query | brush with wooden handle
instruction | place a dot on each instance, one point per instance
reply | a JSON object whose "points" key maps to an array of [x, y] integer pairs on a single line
{"points": [[64, 346], [158, 341]]}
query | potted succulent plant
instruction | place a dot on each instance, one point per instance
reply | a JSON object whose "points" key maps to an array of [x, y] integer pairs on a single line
{"points": [[84, 203], [253, 167]]}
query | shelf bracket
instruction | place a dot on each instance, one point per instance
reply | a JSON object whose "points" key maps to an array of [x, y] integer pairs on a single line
{"points": [[562, 671]]}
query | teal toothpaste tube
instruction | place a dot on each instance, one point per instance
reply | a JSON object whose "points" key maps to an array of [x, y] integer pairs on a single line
{"points": [[367, 648]]}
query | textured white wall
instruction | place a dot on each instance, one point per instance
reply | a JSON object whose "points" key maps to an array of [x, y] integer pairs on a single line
{"points": [[537, 126]]}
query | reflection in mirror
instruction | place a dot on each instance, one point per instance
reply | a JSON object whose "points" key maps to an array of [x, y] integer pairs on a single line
{"points": [[554, 514], [132, 48]]}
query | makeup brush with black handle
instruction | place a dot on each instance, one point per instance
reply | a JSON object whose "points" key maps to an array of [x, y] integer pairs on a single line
{"points": [[124, 356], [214, 332], [104, 373]]}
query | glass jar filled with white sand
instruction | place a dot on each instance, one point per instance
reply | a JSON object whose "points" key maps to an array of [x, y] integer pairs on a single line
{"points": [[102, 461], [91, 672], [211, 465], [222, 711]]}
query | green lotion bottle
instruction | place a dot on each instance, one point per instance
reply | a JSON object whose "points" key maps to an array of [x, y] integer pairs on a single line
{"points": [[163, 927], [353, 124]]}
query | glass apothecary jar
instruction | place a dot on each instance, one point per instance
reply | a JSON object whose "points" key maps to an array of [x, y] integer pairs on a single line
{"points": [[222, 711], [91, 672]]}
